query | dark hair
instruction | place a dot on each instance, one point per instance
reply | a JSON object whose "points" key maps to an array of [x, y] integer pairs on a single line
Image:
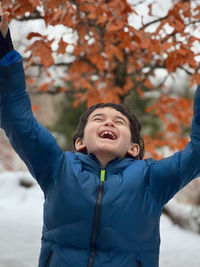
{"points": [[133, 123]]}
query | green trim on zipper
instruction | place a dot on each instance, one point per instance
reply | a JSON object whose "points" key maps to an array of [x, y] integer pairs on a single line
{"points": [[102, 177]]}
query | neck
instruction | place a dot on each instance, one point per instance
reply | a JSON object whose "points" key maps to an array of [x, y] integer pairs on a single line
{"points": [[104, 159]]}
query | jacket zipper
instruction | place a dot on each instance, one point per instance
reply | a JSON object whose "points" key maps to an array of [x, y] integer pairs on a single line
{"points": [[96, 217], [139, 264]]}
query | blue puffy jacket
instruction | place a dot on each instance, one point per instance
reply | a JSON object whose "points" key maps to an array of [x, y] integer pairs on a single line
{"points": [[94, 217]]}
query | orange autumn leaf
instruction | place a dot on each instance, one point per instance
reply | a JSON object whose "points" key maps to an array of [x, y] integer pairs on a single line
{"points": [[30, 80], [35, 108], [120, 7], [62, 47], [140, 92], [80, 67], [42, 50], [86, 84], [44, 87], [173, 127], [33, 34], [98, 60], [195, 79], [148, 109], [178, 25], [35, 3], [184, 103], [114, 25], [86, 7], [63, 89], [92, 15], [166, 46], [112, 50], [148, 84], [145, 43], [128, 85], [102, 19], [22, 7], [150, 9], [45, 54]]}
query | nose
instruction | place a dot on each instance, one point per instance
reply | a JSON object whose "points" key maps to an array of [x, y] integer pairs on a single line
{"points": [[109, 122]]}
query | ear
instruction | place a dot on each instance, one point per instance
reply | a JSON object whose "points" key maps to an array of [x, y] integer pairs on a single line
{"points": [[80, 146], [134, 150]]}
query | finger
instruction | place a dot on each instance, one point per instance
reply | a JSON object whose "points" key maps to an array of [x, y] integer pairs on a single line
{"points": [[4, 18], [4, 24]]}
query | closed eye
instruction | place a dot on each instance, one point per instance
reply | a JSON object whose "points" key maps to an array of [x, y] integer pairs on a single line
{"points": [[97, 119], [119, 122]]}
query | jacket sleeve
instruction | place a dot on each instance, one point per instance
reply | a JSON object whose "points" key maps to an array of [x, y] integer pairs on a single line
{"points": [[169, 175], [10, 58], [33, 143]]}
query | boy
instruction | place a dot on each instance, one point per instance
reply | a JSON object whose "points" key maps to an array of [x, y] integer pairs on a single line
{"points": [[103, 203]]}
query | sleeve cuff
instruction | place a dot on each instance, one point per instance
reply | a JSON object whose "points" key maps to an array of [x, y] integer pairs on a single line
{"points": [[10, 58]]}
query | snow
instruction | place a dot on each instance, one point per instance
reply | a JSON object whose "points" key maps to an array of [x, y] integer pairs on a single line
{"points": [[20, 221], [179, 248], [21, 226]]}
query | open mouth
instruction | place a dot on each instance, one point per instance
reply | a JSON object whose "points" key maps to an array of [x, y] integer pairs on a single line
{"points": [[108, 135]]}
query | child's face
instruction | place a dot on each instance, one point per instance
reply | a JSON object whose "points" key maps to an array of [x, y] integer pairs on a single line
{"points": [[107, 135]]}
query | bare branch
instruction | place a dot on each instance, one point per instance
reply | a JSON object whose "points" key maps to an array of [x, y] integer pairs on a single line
{"points": [[152, 22], [161, 83], [33, 16], [139, 3], [187, 71]]}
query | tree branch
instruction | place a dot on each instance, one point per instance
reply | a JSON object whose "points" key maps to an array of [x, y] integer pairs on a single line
{"points": [[187, 71], [34, 16], [139, 3], [152, 22]]}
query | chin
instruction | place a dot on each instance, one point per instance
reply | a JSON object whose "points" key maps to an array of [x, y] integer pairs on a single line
{"points": [[108, 151], [107, 148]]}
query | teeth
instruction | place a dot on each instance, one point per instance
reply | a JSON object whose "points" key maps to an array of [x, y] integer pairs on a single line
{"points": [[109, 133]]}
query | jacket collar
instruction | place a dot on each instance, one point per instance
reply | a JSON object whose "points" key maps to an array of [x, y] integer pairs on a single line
{"points": [[91, 163]]}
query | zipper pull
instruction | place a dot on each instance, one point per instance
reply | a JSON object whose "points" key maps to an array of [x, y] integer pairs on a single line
{"points": [[102, 176]]}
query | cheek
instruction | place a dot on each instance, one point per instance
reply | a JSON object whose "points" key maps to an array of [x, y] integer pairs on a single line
{"points": [[89, 133], [126, 134]]}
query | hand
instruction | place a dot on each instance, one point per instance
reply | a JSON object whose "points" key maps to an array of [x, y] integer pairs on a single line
{"points": [[4, 23]]}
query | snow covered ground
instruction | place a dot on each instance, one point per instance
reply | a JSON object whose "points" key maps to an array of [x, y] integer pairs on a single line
{"points": [[21, 223]]}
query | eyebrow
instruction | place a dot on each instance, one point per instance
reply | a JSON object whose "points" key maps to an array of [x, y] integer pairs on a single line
{"points": [[101, 115], [97, 115], [121, 118]]}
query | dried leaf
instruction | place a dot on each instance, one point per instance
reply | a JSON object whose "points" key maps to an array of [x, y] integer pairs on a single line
{"points": [[98, 60], [33, 34], [35, 108], [111, 50], [44, 87], [150, 9], [62, 47], [30, 80]]}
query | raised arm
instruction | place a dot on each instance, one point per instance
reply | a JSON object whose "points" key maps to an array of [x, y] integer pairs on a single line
{"points": [[169, 175], [33, 143]]}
